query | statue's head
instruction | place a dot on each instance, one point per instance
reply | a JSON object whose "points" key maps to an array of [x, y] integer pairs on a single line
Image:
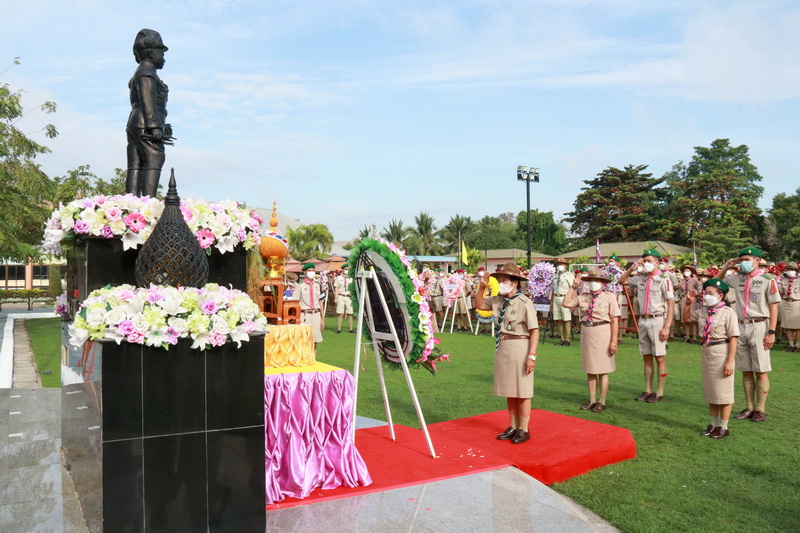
{"points": [[148, 45]]}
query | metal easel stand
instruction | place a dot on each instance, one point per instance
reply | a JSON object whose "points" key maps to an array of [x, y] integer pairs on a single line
{"points": [[630, 311], [364, 302]]}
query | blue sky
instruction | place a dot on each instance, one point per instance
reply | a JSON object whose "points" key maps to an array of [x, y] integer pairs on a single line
{"points": [[355, 112]]}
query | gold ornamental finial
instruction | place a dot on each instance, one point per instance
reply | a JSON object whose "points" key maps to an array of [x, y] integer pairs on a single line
{"points": [[273, 222]]}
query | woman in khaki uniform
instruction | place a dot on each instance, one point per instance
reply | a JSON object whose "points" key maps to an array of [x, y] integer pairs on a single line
{"points": [[719, 330], [687, 284], [515, 347], [599, 323], [790, 306]]}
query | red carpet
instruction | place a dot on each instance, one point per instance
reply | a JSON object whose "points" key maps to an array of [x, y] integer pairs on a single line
{"points": [[405, 462], [561, 446]]}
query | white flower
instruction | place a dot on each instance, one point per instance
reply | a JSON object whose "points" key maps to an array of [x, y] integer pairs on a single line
{"points": [[114, 335], [118, 227], [77, 336], [140, 323], [238, 335], [131, 240], [171, 303], [95, 316], [201, 341], [156, 337], [115, 316], [227, 244], [179, 325], [134, 306], [245, 308], [219, 325]]}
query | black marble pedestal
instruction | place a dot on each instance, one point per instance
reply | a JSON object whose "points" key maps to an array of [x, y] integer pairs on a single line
{"points": [[169, 440]]}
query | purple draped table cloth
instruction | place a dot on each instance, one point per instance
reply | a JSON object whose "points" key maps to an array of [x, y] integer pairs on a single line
{"points": [[308, 419]]}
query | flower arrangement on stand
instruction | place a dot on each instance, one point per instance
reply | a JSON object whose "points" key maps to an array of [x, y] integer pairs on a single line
{"points": [[453, 288], [62, 306], [160, 315], [424, 351], [540, 282], [613, 272], [223, 226]]}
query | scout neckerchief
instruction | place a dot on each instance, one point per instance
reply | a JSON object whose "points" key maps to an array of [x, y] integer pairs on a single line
{"points": [[647, 292], [589, 312], [506, 301], [310, 283], [707, 329], [789, 290], [687, 280], [746, 301]]}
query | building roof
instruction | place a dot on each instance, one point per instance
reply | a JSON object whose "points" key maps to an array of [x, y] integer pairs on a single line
{"points": [[629, 249], [514, 253], [433, 258]]}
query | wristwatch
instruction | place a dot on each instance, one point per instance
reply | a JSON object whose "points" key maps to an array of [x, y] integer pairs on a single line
{"points": [[532, 357], [770, 332]]}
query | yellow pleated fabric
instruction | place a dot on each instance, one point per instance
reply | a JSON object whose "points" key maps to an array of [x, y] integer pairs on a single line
{"points": [[289, 346]]}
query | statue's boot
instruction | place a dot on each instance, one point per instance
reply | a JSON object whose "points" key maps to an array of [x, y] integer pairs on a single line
{"points": [[150, 178]]}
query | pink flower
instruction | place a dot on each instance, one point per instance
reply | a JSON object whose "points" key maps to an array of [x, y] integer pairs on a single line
{"points": [[250, 325], [172, 336], [187, 212], [205, 237], [126, 294], [444, 357], [424, 307], [154, 294], [217, 339], [88, 203], [209, 307], [80, 227], [126, 327], [217, 208], [113, 213], [136, 337], [135, 221], [241, 235], [107, 232]]}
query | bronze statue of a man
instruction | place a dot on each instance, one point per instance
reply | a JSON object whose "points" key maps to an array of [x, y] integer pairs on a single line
{"points": [[147, 129]]}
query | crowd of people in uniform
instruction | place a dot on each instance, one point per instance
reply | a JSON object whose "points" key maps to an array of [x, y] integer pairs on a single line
{"points": [[736, 312]]}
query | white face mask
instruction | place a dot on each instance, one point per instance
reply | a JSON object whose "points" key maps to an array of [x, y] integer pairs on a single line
{"points": [[710, 300], [595, 286], [663, 267], [505, 288], [687, 273], [790, 273], [561, 268], [311, 275], [639, 269], [480, 274], [649, 267]]}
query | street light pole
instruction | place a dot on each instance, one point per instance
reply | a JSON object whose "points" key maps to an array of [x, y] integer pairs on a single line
{"points": [[528, 175]]}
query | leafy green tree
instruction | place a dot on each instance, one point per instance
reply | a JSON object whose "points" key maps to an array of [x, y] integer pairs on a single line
{"points": [[494, 233], [717, 244], [547, 235], [617, 205], [717, 189], [25, 202], [457, 225], [82, 182], [396, 232], [309, 241], [783, 226]]}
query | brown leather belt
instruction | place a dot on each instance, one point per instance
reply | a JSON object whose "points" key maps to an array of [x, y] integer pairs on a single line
{"points": [[507, 337], [717, 343], [657, 315], [791, 299], [593, 324], [559, 295], [310, 311], [752, 320]]}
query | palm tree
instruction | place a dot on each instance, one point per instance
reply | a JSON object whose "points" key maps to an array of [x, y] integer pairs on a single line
{"points": [[425, 233], [450, 232], [396, 232], [308, 241]]}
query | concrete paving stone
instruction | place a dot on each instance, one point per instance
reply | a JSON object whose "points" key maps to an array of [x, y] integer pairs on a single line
{"points": [[26, 483], [36, 516], [40, 452]]}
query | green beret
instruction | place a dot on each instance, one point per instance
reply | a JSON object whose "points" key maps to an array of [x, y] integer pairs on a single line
{"points": [[651, 251], [613, 257], [584, 269], [307, 266], [751, 250], [717, 283], [345, 266]]}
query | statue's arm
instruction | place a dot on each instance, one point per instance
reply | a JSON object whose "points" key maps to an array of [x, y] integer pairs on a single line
{"points": [[147, 102]]}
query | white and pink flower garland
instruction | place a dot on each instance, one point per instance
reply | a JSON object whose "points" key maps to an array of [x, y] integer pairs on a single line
{"points": [[453, 288], [160, 315], [224, 225]]}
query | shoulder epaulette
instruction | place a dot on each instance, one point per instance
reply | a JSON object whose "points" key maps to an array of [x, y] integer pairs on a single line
{"points": [[767, 275]]}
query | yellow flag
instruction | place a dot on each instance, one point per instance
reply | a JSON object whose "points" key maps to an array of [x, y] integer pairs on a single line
{"points": [[464, 253]]}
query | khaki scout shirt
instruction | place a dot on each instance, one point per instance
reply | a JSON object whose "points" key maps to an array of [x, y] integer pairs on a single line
{"points": [[660, 292], [605, 308], [724, 323], [795, 284], [520, 315], [303, 293], [340, 286], [563, 282], [763, 291]]}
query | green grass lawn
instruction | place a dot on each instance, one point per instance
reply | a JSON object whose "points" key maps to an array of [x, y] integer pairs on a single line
{"points": [[679, 481], [45, 337]]}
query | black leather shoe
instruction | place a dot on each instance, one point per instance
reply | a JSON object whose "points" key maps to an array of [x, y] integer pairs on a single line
{"points": [[508, 434], [520, 437], [588, 406], [598, 407]]}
